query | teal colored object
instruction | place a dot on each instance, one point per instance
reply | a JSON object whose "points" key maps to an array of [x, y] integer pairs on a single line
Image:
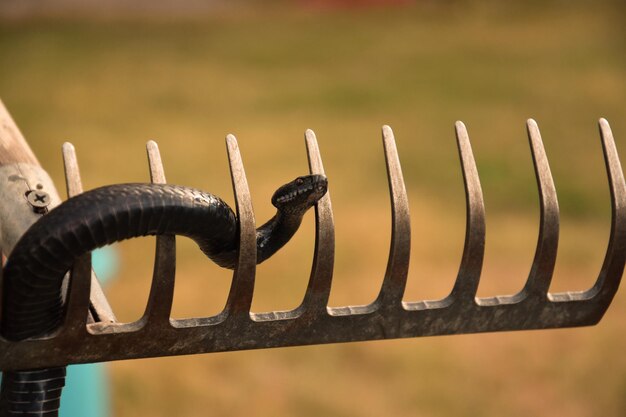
{"points": [[86, 391], [105, 262]]}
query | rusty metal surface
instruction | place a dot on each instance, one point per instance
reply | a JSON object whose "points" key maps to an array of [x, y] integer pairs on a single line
{"points": [[313, 322]]}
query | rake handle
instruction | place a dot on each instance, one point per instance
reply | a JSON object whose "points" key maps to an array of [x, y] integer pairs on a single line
{"points": [[16, 216], [22, 392], [13, 147]]}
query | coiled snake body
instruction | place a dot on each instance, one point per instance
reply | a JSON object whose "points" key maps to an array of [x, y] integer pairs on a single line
{"points": [[32, 303]]}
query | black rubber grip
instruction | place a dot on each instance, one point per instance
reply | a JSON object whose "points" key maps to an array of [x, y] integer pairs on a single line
{"points": [[32, 393]]}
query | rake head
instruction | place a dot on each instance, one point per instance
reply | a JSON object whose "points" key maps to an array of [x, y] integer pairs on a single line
{"points": [[99, 337]]}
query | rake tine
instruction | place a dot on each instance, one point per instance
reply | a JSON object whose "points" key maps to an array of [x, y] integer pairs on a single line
{"points": [[242, 287], [73, 182], [394, 283], [100, 308], [468, 277], [157, 174], [542, 269], [161, 295], [318, 290], [613, 266], [77, 301]]}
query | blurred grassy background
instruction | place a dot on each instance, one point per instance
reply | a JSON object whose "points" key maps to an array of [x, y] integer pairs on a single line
{"points": [[266, 73]]}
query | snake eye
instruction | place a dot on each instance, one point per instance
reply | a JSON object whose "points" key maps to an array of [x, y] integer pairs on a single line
{"points": [[299, 181]]}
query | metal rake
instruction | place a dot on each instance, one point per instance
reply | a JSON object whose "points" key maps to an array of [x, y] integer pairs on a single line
{"points": [[97, 336]]}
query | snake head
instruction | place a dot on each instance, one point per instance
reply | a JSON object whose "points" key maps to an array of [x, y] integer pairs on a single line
{"points": [[300, 194]]}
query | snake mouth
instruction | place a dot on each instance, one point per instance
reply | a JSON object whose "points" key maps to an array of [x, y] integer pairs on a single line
{"points": [[301, 193]]}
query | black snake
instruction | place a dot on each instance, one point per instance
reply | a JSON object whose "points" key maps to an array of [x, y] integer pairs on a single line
{"points": [[32, 303]]}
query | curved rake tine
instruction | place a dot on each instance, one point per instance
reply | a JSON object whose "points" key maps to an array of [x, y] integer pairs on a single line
{"points": [[157, 174], [394, 283], [242, 287], [161, 295], [100, 308], [613, 266], [468, 277], [73, 182], [318, 290], [542, 269], [77, 300]]}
